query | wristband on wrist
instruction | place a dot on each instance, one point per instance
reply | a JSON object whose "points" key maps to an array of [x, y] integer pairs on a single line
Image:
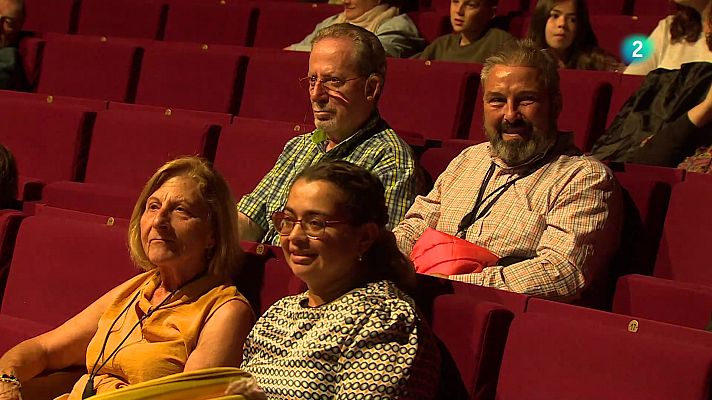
{"points": [[7, 378]]}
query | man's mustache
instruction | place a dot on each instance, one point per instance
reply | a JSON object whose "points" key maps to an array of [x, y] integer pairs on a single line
{"points": [[518, 124]]}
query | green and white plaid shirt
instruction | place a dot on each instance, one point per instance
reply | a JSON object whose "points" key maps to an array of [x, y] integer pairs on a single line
{"points": [[375, 147]]}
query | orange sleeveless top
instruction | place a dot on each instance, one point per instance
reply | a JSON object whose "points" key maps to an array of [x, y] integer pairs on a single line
{"points": [[159, 345]]}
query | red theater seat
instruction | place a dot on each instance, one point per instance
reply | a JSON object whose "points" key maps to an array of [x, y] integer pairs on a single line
{"points": [[628, 85], [272, 90], [211, 23], [474, 333], [98, 70], [558, 356], [435, 160], [278, 281], [682, 255], [127, 148], [431, 24], [611, 30], [678, 303], [89, 104], [249, 148], [607, 7], [655, 8], [409, 102], [302, 18], [647, 194], [202, 80], [125, 18], [586, 97], [49, 142], [58, 268], [50, 16], [215, 118]]}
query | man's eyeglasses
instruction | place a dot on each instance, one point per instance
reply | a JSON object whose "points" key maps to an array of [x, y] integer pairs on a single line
{"points": [[7, 22], [333, 84], [313, 226]]}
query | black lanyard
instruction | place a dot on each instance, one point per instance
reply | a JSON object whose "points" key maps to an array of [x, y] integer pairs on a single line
{"points": [[476, 214]]}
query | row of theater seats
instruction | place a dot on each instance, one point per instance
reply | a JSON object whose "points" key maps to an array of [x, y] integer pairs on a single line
{"points": [[245, 22], [433, 100], [70, 155], [595, 7], [260, 23], [652, 345], [75, 154]]}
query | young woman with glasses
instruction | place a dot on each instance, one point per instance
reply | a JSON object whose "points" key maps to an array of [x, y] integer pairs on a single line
{"points": [[354, 331]]}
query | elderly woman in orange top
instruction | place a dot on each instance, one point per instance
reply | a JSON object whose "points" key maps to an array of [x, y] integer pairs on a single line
{"points": [[182, 314], [397, 32]]}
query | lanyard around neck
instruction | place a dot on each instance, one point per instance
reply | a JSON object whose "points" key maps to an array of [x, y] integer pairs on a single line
{"points": [[471, 217]]}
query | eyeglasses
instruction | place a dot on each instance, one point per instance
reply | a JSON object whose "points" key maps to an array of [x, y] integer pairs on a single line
{"points": [[7, 22], [332, 84], [313, 226]]}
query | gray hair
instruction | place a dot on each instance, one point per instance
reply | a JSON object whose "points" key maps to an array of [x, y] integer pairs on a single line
{"points": [[370, 55], [524, 53]]}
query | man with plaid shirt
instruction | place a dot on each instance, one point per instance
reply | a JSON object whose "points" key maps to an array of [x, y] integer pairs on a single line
{"points": [[551, 214], [347, 70]]}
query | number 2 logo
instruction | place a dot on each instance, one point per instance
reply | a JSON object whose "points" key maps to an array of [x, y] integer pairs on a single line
{"points": [[638, 44]]}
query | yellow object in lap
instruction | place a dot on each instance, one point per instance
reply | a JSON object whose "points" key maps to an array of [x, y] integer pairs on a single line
{"points": [[194, 385]]}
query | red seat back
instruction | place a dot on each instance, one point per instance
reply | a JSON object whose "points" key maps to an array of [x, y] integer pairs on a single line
{"points": [[202, 80], [61, 265], [211, 23], [474, 332], [128, 147], [408, 102], [302, 17], [50, 16], [245, 138], [553, 356], [679, 303], [124, 18], [49, 141], [681, 255], [98, 70], [272, 90]]}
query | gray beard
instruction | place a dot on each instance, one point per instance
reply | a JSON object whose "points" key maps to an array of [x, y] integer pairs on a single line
{"points": [[518, 152]]}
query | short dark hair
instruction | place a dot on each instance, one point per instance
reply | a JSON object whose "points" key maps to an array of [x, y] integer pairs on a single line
{"points": [[364, 202], [370, 55], [8, 178]]}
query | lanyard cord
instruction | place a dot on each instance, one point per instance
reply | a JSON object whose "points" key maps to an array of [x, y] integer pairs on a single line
{"points": [[89, 387], [475, 214]]}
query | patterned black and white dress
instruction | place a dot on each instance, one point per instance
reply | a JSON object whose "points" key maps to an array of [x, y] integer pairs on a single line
{"points": [[368, 344]]}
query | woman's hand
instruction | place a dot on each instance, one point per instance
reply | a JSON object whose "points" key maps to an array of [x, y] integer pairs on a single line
{"points": [[246, 387], [9, 391]]}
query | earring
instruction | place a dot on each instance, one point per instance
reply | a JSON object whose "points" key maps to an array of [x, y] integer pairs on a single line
{"points": [[359, 258]]}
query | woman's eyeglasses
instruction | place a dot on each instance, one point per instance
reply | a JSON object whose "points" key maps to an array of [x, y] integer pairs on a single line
{"points": [[313, 226]]}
